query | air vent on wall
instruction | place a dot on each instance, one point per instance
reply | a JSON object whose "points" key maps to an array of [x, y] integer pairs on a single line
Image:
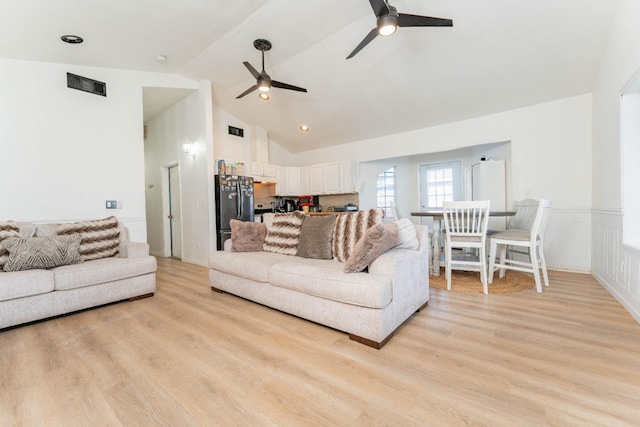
{"points": [[236, 131], [86, 84]]}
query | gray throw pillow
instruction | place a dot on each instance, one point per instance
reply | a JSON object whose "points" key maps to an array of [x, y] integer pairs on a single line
{"points": [[376, 240], [316, 237], [27, 253], [247, 236], [7, 230]]}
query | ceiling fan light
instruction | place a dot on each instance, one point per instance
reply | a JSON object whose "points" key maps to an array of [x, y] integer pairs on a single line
{"points": [[264, 96], [264, 86], [387, 25]]}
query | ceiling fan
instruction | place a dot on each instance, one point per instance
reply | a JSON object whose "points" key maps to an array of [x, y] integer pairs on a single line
{"points": [[389, 20], [263, 80]]}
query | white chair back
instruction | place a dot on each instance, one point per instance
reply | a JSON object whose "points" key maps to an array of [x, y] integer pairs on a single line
{"points": [[466, 218], [541, 220], [525, 214]]}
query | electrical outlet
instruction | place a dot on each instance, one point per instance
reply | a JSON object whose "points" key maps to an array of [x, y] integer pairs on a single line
{"points": [[119, 204]]}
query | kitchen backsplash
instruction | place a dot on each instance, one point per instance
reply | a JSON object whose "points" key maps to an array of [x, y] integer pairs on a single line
{"points": [[338, 200], [264, 194]]}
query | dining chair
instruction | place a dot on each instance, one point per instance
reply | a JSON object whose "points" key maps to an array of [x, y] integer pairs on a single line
{"points": [[465, 225], [528, 239]]}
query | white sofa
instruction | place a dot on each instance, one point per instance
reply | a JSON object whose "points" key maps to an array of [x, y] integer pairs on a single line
{"points": [[369, 306], [30, 295]]}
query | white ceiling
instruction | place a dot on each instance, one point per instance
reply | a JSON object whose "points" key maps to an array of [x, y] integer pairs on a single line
{"points": [[499, 55]]}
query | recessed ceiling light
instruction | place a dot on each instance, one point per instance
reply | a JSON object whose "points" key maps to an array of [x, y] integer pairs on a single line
{"points": [[71, 39], [161, 59], [304, 128]]}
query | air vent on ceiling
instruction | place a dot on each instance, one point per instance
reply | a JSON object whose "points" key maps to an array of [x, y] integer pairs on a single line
{"points": [[86, 84]]}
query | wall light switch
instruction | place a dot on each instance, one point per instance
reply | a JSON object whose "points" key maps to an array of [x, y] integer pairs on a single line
{"points": [[111, 204], [119, 204]]}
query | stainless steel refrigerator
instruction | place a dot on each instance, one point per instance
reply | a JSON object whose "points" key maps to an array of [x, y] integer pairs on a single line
{"points": [[234, 200]]}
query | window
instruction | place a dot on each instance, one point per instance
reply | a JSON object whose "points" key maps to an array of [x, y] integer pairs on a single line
{"points": [[387, 191], [439, 182]]}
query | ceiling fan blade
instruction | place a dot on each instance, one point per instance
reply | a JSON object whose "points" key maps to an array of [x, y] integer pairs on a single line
{"points": [[251, 89], [405, 20], [379, 7], [372, 35], [253, 71], [287, 86]]}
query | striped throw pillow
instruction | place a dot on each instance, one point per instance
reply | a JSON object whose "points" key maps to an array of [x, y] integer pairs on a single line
{"points": [[100, 238], [7, 229], [283, 236], [350, 228]]}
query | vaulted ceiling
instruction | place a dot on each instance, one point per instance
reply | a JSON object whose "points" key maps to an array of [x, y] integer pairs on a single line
{"points": [[499, 55]]}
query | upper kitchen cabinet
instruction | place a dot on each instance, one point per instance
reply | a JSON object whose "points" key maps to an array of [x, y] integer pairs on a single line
{"points": [[316, 179], [332, 178], [287, 181], [348, 174], [305, 183], [262, 172]]}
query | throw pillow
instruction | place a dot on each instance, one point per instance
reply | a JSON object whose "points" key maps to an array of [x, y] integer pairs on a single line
{"points": [[376, 240], [7, 229], [100, 238], [350, 228], [316, 237], [282, 237], [247, 236], [27, 253], [407, 236]]}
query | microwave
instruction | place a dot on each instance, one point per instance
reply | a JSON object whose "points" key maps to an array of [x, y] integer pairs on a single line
{"points": [[306, 201]]}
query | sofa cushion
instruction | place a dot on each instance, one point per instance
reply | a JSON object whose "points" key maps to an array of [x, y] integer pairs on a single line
{"points": [[407, 235], [316, 237], [29, 253], [101, 271], [7, 229], [253, 266], [247, 236], [350, 228], [21, 284], [325, 279], [100, 238], [376, 241], [282, 237]]}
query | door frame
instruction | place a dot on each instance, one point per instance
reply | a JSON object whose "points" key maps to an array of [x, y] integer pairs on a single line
{"points": [[166, 222]]}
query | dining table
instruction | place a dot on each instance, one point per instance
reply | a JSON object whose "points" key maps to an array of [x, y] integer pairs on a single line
{"points": [[438, 218]]}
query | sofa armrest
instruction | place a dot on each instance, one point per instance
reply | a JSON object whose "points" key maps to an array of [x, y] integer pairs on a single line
{"points": [[408, 271], [227, 246], [134, 250]]}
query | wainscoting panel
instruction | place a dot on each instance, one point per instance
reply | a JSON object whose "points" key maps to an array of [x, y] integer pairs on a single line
{"points": [[568, 240], [615, 266]]}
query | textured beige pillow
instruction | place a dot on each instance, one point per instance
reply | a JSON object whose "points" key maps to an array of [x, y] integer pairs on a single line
{"points": [[407, 236], [376, 240], [316, 237], [247, 236], [28, 253], [282, 236], [7, 229], [100, 238], [350, 228]]}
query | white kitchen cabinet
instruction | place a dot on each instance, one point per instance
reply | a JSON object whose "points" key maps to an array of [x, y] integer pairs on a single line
{"points": [[316, 180], [269, 171], [281, 186], [292, 181], [332, 178], [489, 183], [256, 170], [347, 176], [305, 183]]}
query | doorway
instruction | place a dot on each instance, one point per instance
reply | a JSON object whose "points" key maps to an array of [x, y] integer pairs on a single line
{"points": [[175, 217]]}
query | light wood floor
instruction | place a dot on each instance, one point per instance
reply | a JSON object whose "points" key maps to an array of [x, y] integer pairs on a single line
{"points": [[192, 357]]}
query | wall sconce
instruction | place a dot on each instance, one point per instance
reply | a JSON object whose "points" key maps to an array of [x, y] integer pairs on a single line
{"points": [[190, 149]]}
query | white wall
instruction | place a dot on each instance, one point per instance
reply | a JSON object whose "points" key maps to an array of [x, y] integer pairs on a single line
{"points": [[66, 151], [616, 266], [188, 120], [550, 158]]}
